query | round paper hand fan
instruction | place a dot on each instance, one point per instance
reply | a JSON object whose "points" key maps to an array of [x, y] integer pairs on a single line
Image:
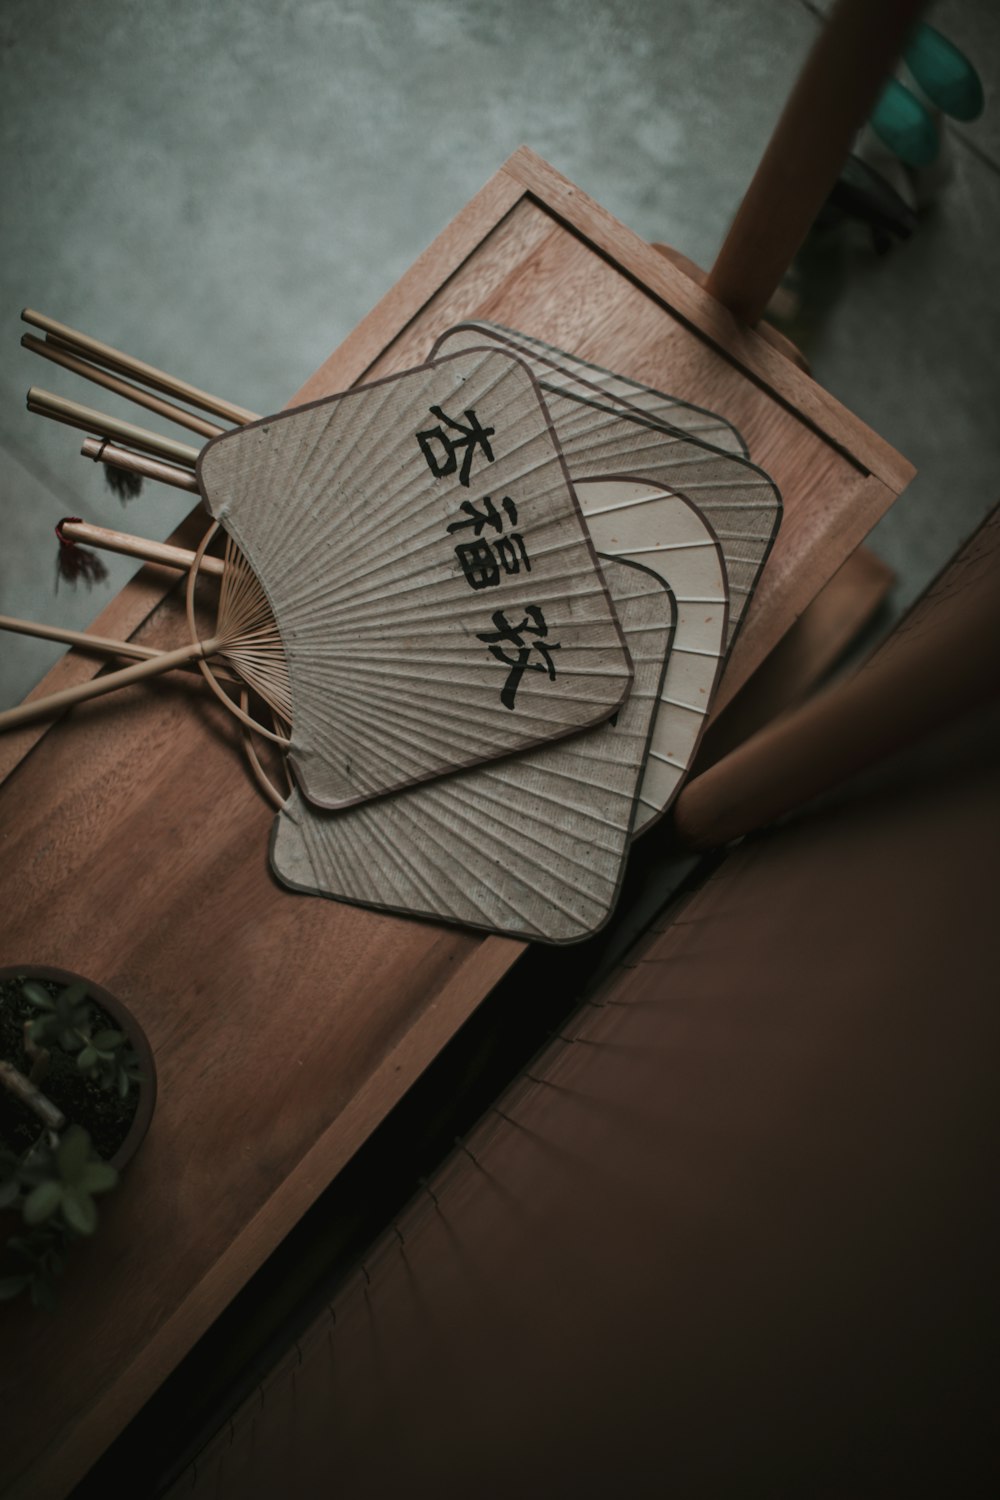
{"points": [[430, 573]]}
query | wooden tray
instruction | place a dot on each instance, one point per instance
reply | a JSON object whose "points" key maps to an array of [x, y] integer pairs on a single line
{"points": [[135, 843]]}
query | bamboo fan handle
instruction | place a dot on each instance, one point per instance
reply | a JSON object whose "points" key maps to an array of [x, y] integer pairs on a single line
{"points": [[124, 388], [104, 452], [73, 414], [68, 637], [73, 340], [40, 708], [72, 529], [104, 644]]}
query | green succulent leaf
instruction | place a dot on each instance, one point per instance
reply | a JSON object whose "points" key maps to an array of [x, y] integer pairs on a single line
{"points": [[107, 1040], [35, 995], [74, 993], [79, 1210], [42, 1202], [70, 1040], [87, 1059], [98, 1177], [74, 1149]]}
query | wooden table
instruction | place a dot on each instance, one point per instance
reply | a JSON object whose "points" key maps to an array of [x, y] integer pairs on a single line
{"points": [[135, 843]]}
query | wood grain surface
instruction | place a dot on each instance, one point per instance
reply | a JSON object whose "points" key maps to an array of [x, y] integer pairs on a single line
{"points": [[135, 843]]}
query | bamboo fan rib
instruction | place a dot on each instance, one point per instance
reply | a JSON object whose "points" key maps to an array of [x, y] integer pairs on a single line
{"points": [[739, 500], [641, 523], [425, 559], [532, 845], [578, 377], [250, 641]]}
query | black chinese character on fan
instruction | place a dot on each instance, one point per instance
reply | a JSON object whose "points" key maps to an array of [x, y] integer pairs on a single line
{"points": [[482, 560], [506, 634], [441, 449], [486, 515]]}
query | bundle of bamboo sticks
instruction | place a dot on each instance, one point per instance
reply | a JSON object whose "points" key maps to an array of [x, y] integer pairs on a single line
{"points": [[245, 637], [123, 444]]}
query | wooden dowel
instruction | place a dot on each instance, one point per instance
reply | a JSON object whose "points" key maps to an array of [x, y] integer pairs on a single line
{"points": [[103, 362], [104, 645], [40, 708], [104, 452], [127, 545], [148, 374], [924, 676], [46, 404], [833, 97], [124, 388]]}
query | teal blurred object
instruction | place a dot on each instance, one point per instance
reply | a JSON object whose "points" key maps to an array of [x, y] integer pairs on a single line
{"points": [[946, 76], [903, 124]]}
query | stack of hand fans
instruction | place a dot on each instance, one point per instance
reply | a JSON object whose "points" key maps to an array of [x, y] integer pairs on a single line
{"points": [[487, 601]]}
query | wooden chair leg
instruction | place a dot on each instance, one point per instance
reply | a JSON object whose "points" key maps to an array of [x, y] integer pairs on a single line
{"points": [[940, 662], [834, 96]]}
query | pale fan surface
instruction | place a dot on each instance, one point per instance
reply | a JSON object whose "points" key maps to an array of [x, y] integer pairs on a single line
{"points": [[600, 436], [644, 524], [533, 845], [346, 527]]}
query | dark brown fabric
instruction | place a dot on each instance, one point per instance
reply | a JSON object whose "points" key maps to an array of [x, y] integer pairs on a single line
{"points": [[739, 1237]]}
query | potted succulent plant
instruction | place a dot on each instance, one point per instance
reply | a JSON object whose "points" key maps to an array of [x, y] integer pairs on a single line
{"points": [[77, 1089]]}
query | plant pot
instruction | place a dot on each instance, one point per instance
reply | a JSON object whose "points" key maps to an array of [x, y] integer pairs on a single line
{"points": [[125, 1021]]}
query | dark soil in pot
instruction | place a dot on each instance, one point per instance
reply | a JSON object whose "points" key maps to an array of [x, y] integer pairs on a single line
{"points": [[116, 1126]]}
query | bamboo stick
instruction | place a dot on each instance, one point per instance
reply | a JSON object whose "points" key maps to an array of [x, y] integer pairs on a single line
{"points": [[71, 529], [102, 362], [103, 644], [46, 404], [104, 452], [149, 375], [67, 637], [124, 388], [39, 708]]}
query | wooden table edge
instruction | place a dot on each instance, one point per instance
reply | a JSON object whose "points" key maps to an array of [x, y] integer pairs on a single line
{"points": [[64, 1464]]}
